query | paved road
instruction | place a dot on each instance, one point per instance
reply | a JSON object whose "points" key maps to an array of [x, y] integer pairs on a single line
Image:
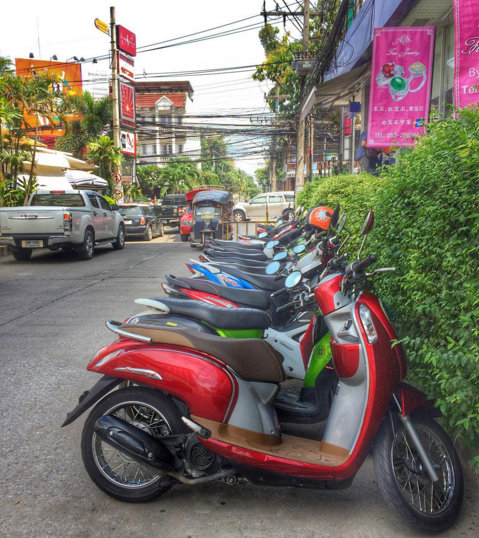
{"points": [[52, 315]]}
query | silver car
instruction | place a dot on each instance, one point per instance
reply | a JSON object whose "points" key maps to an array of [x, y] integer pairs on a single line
{"points": [[276, 204]]}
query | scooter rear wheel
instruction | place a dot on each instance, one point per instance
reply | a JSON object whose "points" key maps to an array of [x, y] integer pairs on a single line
{"points": [[404, 482], [113, 471]]}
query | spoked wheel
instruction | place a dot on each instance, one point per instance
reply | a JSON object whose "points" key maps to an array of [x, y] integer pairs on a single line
{"points": [[112, 470], [405, 483]]}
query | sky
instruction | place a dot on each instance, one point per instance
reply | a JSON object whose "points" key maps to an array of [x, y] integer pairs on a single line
{"points": [[67, 29]]}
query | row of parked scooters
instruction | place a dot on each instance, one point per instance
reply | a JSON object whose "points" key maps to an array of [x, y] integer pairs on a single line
{"points": [[274, 364]]}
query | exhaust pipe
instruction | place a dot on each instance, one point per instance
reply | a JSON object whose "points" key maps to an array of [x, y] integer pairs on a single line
{"points": [[134, 442]]}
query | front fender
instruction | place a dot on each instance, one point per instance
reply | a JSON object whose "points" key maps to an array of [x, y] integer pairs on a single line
{"points": [[410, 399], [90, 397]]}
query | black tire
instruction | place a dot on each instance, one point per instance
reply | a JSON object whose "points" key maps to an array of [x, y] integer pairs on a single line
{"points": [[148, 236], [404, 483], [86, 251], [111, 470], [184, 237], [119, 242], [22, 254], [239, 216]]}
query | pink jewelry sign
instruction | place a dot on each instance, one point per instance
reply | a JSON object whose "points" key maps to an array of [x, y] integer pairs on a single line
{"points": [[466, 61], [401, 73]]}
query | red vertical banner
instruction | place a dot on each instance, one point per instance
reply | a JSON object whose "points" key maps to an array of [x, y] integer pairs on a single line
{"points": [[401, 73], [466, 58], [127, 104]]}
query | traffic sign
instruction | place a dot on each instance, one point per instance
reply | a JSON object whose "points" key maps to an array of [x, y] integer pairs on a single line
{"points": [[102, 26]]}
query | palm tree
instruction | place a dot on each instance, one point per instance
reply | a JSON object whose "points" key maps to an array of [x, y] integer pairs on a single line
{"points": [[103, 152], [96, 116]]}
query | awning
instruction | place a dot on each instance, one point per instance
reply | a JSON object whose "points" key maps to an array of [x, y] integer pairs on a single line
{"points": [[54, 159], [77, 164], [49, 182], [337, 91], [81, 179]]}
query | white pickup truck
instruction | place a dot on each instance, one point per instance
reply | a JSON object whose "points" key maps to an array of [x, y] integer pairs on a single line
{"points": [[68, 219]]}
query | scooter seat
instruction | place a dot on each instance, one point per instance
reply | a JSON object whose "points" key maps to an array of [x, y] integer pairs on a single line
{"points": [[217, 316], [251, 358], [242, 297], [235, 245], [263, 282], [260, 256]]}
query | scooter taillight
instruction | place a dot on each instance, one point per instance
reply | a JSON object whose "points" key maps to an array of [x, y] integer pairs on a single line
{"points": [[190, 268]]}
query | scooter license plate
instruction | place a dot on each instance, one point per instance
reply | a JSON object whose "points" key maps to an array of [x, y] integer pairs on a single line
{"points": [[32, 243]]}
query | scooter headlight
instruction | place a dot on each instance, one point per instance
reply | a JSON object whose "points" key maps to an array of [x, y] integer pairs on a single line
{"points": [[368, 325]]}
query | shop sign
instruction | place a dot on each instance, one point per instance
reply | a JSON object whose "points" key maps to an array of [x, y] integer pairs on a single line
{"points": [[466, 60], [126, 40], [401, 73], [126, 67], [128, 143], [127, 104]]}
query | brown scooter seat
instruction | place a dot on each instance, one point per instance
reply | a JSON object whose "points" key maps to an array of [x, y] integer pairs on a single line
{"points": [[251, 358]]}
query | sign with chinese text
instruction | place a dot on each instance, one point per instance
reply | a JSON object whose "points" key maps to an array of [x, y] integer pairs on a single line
{"points": [[127, 104], [126, 40], [401, 73], [66, 80], [466, 59]]}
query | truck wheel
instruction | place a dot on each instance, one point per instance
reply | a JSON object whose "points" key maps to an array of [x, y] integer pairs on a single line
{"points": [[148, 234], [184, 237], [119, 242], [85, 252], [239, 216], [22, 254]]}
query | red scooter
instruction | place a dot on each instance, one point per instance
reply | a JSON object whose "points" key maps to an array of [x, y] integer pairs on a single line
{"points": [[192, 407]]}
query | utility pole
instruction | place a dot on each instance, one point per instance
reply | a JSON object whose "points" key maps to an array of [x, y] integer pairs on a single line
{"points": [[114, 80], [299, 182]]}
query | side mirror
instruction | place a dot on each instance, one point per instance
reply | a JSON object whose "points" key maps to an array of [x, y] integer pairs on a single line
{"points": [[272, 244], [335, 216], [280, 221], [293, 279], [272, 268], [298, 249], [280, 256], [341, 223], [262, 235], [368, 223]]}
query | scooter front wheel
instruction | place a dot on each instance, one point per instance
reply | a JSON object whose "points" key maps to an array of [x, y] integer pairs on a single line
{"points": [[406, 485], [115, 472]]}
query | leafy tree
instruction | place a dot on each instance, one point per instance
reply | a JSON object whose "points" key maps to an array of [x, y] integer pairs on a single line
{"points": [[96, 116], [103, 153]]}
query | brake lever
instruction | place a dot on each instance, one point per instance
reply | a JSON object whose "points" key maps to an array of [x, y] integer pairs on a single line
{"points": [[380, 270]]}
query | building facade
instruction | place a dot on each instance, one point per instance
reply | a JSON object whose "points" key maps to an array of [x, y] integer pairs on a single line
{"points": [[161, 133], [346, 78]]}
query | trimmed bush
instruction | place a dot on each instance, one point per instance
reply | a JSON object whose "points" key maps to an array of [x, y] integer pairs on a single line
{"points": [[427, 226]]}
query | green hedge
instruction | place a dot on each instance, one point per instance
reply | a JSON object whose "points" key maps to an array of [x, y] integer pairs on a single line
{"points": [[427, 225]]}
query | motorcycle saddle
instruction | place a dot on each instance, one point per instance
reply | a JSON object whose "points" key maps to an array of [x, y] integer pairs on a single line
{"points": [[217, 316], [234, 245], [251, 358], [253, 298]]}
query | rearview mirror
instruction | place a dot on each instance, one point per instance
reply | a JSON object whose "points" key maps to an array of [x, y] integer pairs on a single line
{"points": [[293, 279], [272, 244], [368, 223], [262, 235], [341, 223], [335, 216], [272, 268], [298, 249], [280, 256]]}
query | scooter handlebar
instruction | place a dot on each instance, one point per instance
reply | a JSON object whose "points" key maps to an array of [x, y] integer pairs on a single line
{"points": [[360, 266]]}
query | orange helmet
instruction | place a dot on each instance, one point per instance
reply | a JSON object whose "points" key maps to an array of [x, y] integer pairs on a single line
{"points": [[320, 217]]}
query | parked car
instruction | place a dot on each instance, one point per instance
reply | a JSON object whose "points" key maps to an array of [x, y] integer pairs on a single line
{"points": [[140, 220], [67, 219], [171, 209], [277, 204]]}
